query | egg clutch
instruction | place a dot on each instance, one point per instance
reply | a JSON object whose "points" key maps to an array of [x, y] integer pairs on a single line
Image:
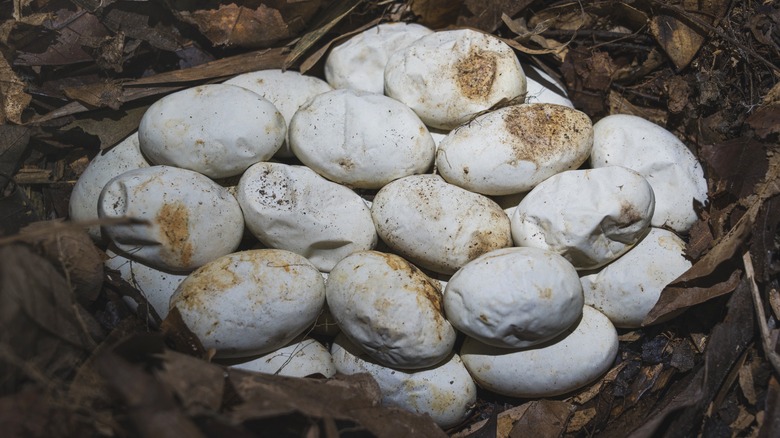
{"points": [[426, 190]]}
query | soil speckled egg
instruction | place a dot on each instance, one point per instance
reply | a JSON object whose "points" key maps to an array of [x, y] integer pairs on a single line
{"points": [[294, 208], [444, 391], [391, 309], [359, 63], [670, 167], [626, 289], [191, 219], [218, 130], [449, 76], [360, 139], [576, 358], [590, 217], [107, 164], [512, 149], [514, 297], [437, 225], [250, 302]]}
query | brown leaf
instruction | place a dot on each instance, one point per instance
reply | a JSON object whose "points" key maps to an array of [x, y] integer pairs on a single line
{"points": [[544, 418], [43, 334], [97, 94], [13, 143], [736, 165], [678, 40], [436, 14], [487, 16], [12, 95], [135, 20], [113, 127], [675, 299], [75, 30], [620, 105], [336, 12], [765, 121], [177, 334], [196, 383]]}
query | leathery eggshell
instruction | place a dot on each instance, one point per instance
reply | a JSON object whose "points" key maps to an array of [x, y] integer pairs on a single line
{"points": [[156, 286], [294, 208], [626, 289], [250, 302], [391, 309], [590, 217], [571, 361], [512, 149], [218, 130], [360, 139], [191, 219], [437, 225], [288, 90], [514, 297], [444, 391], [670, 167], [448, 76], [359, 63], [107, 164], [300, 358]]}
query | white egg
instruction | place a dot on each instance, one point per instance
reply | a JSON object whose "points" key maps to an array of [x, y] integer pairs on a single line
{"points": [[288, 90], [83, 203], [360, 139], [514, 297], [391, 309], [300, 358], [191, 220], [444, 391], [449, 76], [571, 361], [626, 289], [542, 88], [294, 208], [250, 302], [437, 225], [590, 217], [359, 63], [218, 130], [513, 149], [670, 167], [155, 285]]}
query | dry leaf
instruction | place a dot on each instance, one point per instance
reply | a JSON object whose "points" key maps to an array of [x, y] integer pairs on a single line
{"points": [[13, 143], [75, 31], [336, 12], [12, 95], [488, 15], [543, 419], [111, 128], [97, 94], [678, 40], [436, 14]]}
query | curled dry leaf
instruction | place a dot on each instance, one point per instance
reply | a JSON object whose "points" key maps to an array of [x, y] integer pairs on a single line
{"points": [[14, 99]]}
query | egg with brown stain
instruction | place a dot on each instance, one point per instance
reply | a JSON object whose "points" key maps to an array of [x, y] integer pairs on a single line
{"points": [[188, 219]]}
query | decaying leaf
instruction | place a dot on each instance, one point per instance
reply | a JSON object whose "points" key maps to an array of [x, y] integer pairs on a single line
{"points": [[97, 95], [75, 31], [111, 128], [13, 143], [436, 14], [678, 40], [332, 16], [488, 16], [543, 418], [12, 95]]}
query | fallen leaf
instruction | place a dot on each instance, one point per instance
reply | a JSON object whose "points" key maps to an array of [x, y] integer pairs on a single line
{"points": [[487, 16], [97, 94], [679, 41], [336, 12], [14, 141], [12, 95], [620, 105], [436, 14], [544, 418], [135, 20], [735, 165], [765, 121], [771, 426], [75, 30]]}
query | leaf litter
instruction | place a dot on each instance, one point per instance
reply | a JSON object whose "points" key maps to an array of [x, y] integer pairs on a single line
{"points": [[77, 75]]}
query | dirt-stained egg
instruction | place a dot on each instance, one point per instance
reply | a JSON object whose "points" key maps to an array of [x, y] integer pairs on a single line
{"points": [[514, 297], [445, 391], [590, 217], [437, 225], [250, 302], [299, 358], [513, 149], [83, 203], [189, 219], [449, 76], [574, 359], [626, 289], [216, 129], [360, 139], [390, 309], [359, 63], [288, 90], [670, 167], [155, 285], [294, 208]]}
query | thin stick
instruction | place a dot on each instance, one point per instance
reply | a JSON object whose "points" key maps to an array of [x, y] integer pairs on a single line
{"points": [[773, 357]]}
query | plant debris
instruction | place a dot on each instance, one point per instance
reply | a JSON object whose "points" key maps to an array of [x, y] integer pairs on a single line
{"points": [[76, 360]]}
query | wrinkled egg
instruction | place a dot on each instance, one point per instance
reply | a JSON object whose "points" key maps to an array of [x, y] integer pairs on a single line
{"points": [[514, 297], [300, 358], [590, 217], [250, 302], [391, 309], [294, 208], [191, 219]]}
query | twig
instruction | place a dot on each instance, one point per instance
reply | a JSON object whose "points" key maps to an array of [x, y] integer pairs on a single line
{"points": [[769, 350]]}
